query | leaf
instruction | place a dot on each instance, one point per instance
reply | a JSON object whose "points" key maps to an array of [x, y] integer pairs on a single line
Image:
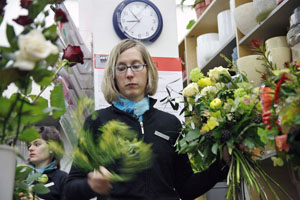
{"points": [[57, 100], [192, 135], [8, 76], [36, 8], [33, 177], [40, 189], [29, 135], [43, 77], [249, 143], [190, 24], [50, 32], [214, 148], [11, 37], [297, 119]]}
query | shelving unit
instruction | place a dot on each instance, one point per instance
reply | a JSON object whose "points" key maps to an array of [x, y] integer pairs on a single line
{"points": [[276, 24]]}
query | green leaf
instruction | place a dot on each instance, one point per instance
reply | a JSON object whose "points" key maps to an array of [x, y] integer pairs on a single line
{"points": [[33, 177], [57, 100], [40, 189], [52, 59], [36, 8], [192, 135], [11, 37], [43, 77], [190, 24], [214, 148], [50, 32], [29, 135], [22, 171], [297, 119], [249, 143], [8, 76], [24, 84]]}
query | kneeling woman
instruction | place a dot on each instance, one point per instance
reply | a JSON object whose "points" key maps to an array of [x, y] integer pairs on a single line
{"points": [[45, 162]]}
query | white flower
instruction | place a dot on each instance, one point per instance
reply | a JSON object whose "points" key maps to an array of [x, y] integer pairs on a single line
{"points": [[214, 74], [209, 89], [33, 47], [190, 90]]}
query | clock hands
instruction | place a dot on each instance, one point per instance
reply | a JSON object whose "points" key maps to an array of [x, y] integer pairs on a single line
{"points": [[134, 15]]}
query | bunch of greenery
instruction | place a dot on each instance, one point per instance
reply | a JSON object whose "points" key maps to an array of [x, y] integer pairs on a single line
{"points": [[117, 148], [280, 99], [223, 110], [25, 175]]}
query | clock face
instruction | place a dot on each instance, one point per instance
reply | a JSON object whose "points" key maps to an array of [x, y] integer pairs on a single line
{"points": [[138, 19]]}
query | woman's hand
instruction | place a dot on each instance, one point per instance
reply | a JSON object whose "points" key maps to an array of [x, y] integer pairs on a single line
{"points": [[99, 181], [24, 197]]}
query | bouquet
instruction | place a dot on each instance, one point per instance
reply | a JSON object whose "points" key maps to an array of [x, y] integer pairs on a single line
{"points": [[117, 148], [280, 99], [224, 110]]}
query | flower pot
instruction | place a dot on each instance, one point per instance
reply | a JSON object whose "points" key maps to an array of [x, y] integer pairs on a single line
{"points": [[225, 26], [200, 8], [7, 171], [244, 17], [250, 65], [279, 56], [262, 8], [275, 42]]}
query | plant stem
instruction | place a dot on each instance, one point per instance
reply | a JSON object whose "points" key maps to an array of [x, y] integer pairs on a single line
{"points": [[54, 77], [19, 120]]}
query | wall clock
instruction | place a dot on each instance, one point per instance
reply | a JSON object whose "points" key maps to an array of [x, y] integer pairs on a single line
{"points": [[137, 19]]}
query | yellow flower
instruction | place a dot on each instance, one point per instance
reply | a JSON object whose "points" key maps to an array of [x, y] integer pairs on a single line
{"points": [[212, 122], [204, 82], [190, 90], [216, 103]]}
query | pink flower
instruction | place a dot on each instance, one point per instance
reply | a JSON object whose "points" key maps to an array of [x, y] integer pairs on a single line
{"points": [[281, 142], [26, 3], [73, 54], [256, 43], [60, 15], [23, 20]]}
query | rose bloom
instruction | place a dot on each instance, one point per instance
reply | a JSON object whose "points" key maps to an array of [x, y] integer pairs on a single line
{"points": [[73, 54], [214, 74], [61, 16], [33, 47], [190, 90]]}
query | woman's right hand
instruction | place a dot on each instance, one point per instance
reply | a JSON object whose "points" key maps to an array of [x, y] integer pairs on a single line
{"points": [[24, 197], [99, 181]]}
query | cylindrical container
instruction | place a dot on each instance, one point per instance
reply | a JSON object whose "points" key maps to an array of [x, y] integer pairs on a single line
{"points": [[244, 17], [279, 56], [262, 8], [275, 42], [225, 27], [251, 66]]}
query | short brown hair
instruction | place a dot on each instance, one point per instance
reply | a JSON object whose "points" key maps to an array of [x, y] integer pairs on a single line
{"points": [[109, 87]]}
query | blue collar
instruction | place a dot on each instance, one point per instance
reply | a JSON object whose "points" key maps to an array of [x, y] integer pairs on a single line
{"points": [[135, 109]]}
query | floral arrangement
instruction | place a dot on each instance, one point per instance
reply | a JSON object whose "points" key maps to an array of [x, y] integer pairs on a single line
{"points": [[280, 99], [117, 148], [32, 56], [224, 111]]}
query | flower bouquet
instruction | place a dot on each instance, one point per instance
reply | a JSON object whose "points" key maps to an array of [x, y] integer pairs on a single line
{"points": [[224, 110], [280, 100]]}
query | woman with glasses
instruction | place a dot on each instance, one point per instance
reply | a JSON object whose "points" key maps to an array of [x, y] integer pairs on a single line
{"points": [[130, 78]]}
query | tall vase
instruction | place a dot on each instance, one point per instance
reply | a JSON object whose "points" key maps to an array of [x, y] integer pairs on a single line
{"points": [[7, 171]]}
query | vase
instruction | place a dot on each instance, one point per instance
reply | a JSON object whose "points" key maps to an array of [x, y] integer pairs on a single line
{"points": [[7, 171], [262, 8], [244, 17]]}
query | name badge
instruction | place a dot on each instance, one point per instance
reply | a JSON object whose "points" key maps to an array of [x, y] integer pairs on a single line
{"points": [[159, 134], [49, 184]]}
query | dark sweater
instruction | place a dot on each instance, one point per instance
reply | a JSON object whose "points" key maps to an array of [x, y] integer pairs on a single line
{"points": [[170, 177]]}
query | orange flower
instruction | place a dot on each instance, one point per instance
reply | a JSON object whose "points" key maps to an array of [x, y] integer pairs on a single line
{"points": [[266, 97], [281, 142]]}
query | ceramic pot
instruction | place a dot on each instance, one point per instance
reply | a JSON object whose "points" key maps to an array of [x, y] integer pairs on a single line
{"points": [[262, 8], [244, 17], [279, 56], [275, 42], [7, 171], [225, 27], [250, 65]]}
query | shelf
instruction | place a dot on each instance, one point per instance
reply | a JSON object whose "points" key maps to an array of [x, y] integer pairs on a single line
{"points": [[275, 24], [208, 20], [217, 60]]}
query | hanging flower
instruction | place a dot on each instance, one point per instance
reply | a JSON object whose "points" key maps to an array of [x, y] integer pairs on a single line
{"points": [[73, 54], [23, 20], [60, 15]]}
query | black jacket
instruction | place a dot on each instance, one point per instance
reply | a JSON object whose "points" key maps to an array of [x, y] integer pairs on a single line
{"points": [[171, 176], [56, 183]]}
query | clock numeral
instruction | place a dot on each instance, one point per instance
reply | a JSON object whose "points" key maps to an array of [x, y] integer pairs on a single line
{"points": [[152, 28], [154, 21], [132, 33], [139, 35], [147, 33], [151, 14], [125, 13], [123, 20], [126, 28]]}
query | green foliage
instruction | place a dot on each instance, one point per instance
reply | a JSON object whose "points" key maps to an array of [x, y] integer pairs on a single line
{"points": [[190, 24], [57, 101]]}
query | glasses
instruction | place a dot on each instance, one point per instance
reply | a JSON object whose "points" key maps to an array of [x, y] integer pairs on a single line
{"points": [[121, 69]]}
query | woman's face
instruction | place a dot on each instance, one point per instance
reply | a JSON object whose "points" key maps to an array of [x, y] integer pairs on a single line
{"points": [[39, 153], [131, 84]]}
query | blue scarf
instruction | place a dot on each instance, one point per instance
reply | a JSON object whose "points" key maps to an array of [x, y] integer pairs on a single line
{"points": [[135, 109]]}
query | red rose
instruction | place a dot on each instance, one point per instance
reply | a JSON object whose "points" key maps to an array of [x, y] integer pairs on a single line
{"points": [[73, 54], [26, 3], [2, 5], [23, 20], [60, 15]]}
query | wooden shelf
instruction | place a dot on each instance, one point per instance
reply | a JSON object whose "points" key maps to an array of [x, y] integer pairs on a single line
{"points": [[275, 24], [217, 60]]}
